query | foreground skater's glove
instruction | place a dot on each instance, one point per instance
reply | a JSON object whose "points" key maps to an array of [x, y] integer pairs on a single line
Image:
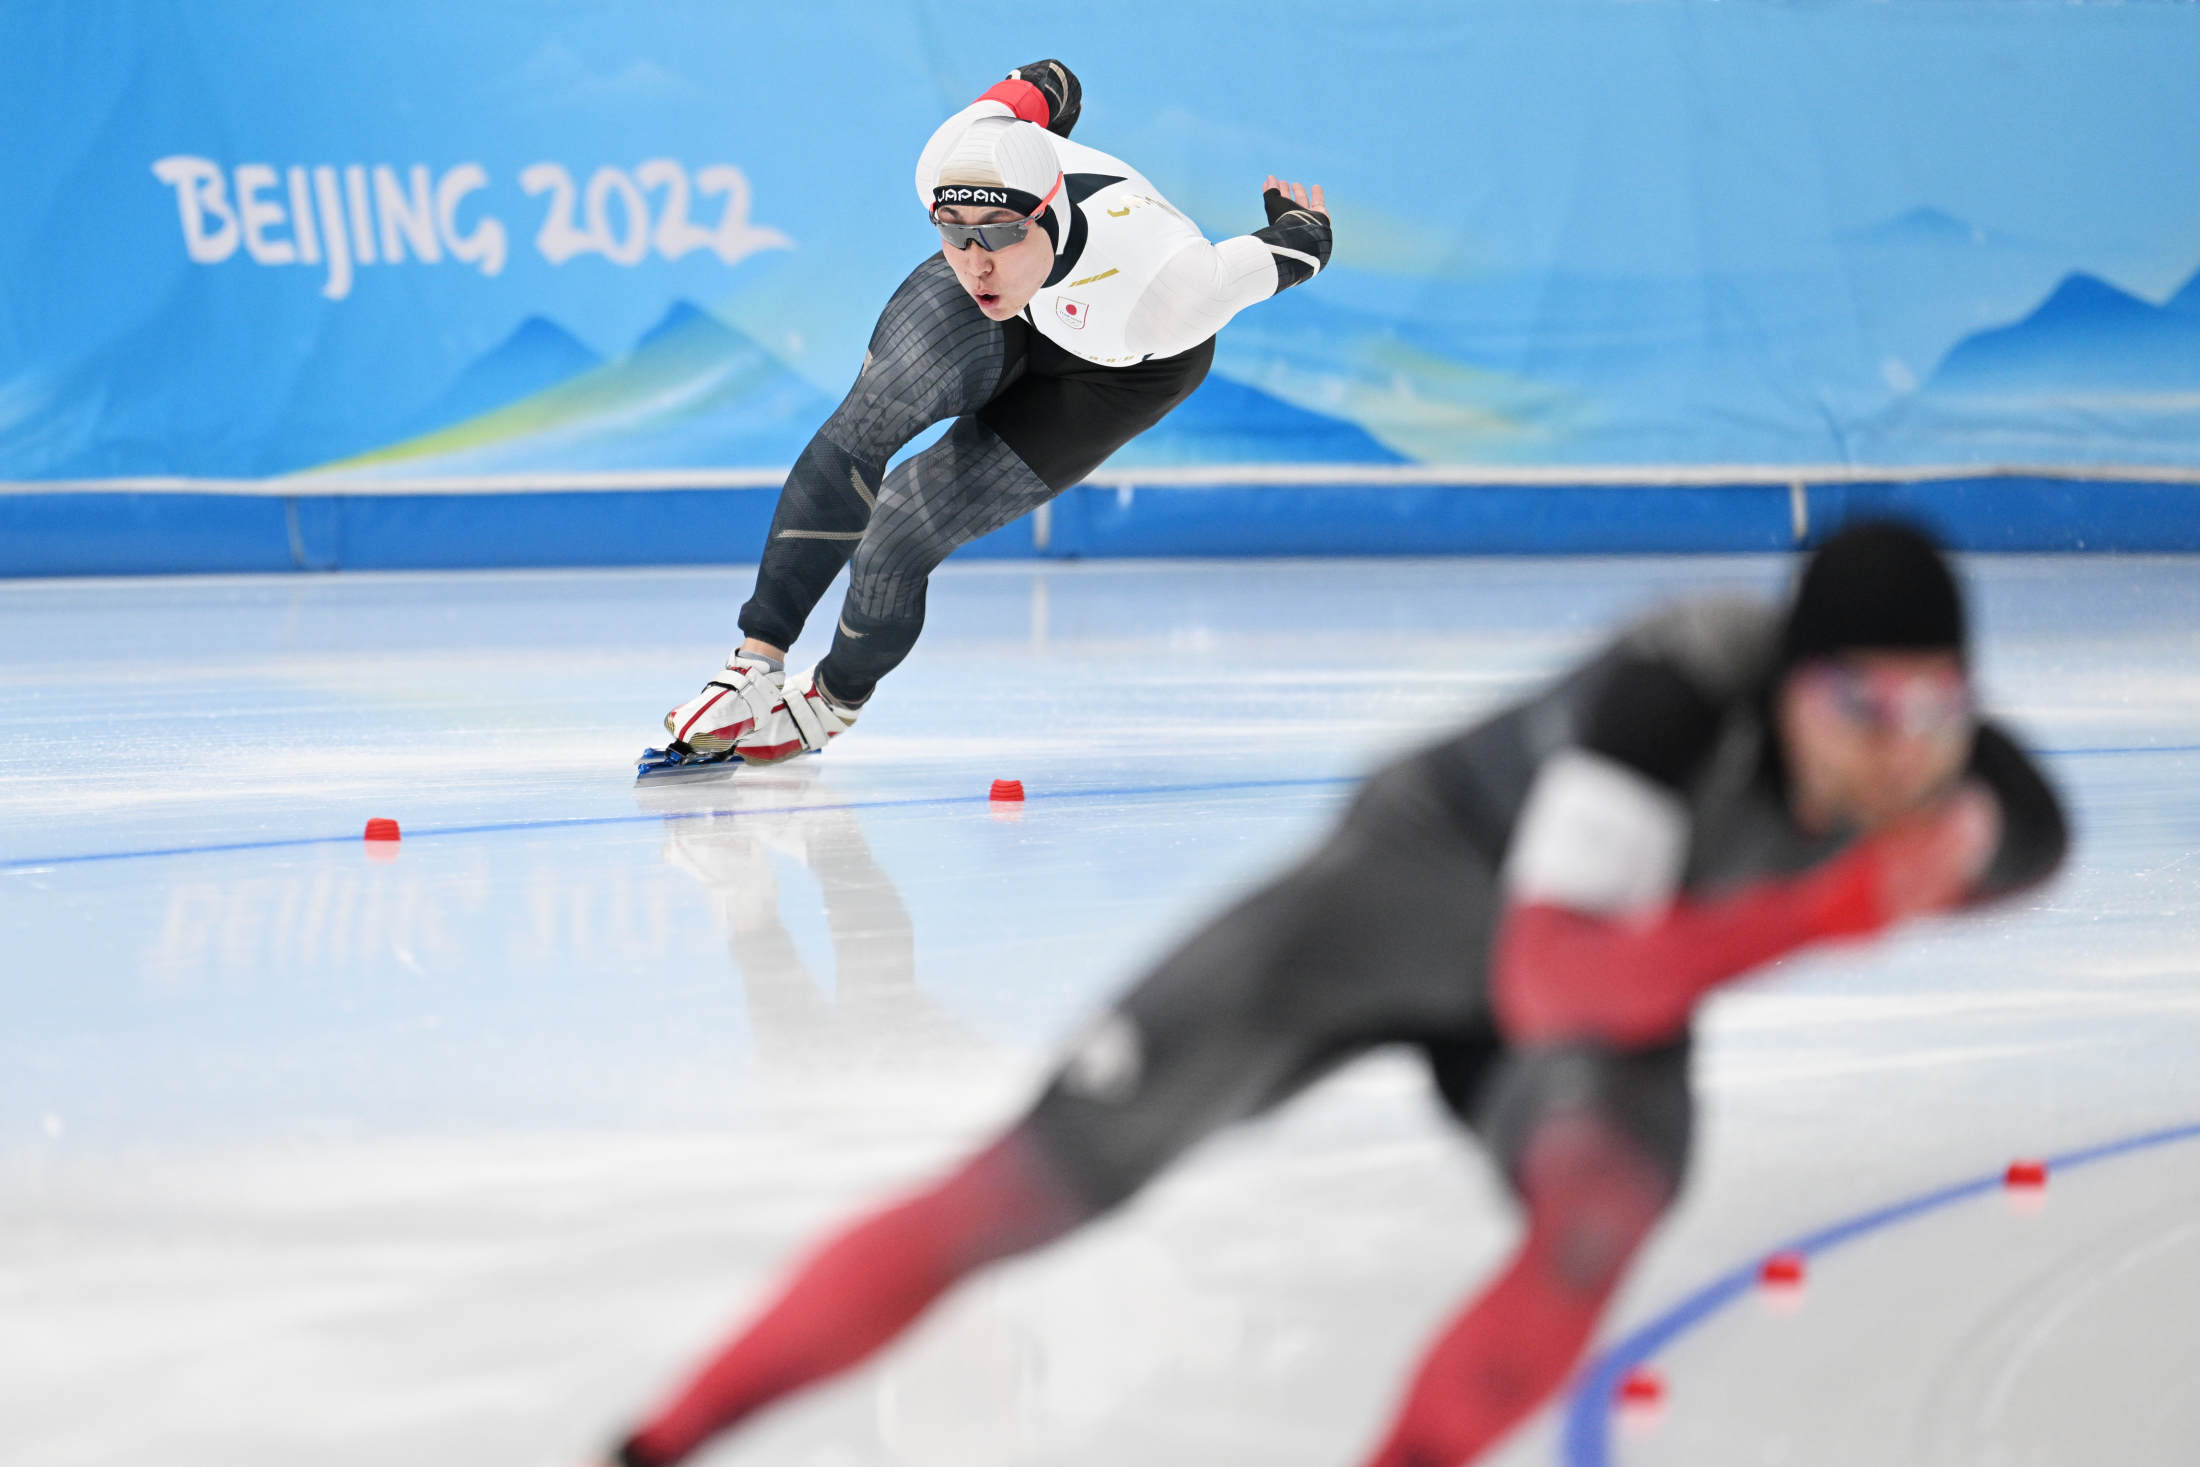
{"points": [[731, 704], [1045, 92], [801, 723]]}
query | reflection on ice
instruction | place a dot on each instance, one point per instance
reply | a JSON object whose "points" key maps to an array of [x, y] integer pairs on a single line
{"points": [[865, 1022], [259, 929]]}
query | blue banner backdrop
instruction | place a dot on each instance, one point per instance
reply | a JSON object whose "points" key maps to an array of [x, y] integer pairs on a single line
{"points": [[421, 242]]}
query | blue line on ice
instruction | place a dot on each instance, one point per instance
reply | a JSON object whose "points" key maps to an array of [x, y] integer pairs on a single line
{"points": [[430, 832], [41, 863], [1587, 1441]]}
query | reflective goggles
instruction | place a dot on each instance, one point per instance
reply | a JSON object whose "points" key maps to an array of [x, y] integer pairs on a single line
{"points": [[990, 237], [1913, 704]]}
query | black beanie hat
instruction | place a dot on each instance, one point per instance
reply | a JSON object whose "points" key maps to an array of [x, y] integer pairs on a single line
{"points": [[1875, 584]]}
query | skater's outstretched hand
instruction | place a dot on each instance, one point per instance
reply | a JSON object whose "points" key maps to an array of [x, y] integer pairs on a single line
{"points": [[1297, 233], [1932, 859], [1281, 198]]}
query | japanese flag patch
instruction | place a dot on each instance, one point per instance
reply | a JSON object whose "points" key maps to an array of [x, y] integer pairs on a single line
{"points": [[1071, 313]]}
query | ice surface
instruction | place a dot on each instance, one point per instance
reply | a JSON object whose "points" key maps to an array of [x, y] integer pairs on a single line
{"points": [[460, 1156]]}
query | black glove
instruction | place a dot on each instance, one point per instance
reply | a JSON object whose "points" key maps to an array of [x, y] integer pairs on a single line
{"points": [[1058, 84], [1296, 236]]}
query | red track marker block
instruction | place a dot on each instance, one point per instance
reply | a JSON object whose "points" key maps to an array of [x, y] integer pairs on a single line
{"points": [[2025, 1174], [1007, 789], [381, 828], [1782, 1271], [1642, 1386]]}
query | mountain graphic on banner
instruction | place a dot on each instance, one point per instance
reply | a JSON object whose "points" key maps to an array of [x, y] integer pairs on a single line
{"points": [[1426, 391], [539, 354], [1935, 227], [2187, 301], [2086, 339], [1227, 421], [694, 392]]}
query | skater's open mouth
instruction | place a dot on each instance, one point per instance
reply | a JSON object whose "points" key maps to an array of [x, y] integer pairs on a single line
{"points": [[988, 298]]}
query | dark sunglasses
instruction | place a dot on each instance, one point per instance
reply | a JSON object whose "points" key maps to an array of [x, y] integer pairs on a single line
{"points": [[990, 237]]}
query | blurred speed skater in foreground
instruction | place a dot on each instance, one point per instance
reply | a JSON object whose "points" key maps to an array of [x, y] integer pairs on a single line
{"points": [[1537, 903]]}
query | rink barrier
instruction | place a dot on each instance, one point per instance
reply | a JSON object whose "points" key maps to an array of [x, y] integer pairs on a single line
{"points": [[720, 517], [1592, 1401]]}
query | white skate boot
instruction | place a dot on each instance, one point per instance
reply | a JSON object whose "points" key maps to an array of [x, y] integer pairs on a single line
{"points": [[730, 705], [801, 724]]}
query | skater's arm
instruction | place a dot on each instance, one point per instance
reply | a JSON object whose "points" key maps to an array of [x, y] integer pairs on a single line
{"points": [[1203, 285], [1561, 974], [1600, 943], [1196, 293]]}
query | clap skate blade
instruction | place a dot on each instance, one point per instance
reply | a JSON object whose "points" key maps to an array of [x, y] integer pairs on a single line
{"points": [[677, 761]]}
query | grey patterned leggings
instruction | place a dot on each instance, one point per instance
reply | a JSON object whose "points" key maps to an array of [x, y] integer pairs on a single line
{"points": [[1031, 420]]}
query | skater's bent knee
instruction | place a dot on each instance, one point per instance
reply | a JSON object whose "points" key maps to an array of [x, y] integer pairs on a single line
{"points": [[1638, 1100], [1593, 1194]]}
